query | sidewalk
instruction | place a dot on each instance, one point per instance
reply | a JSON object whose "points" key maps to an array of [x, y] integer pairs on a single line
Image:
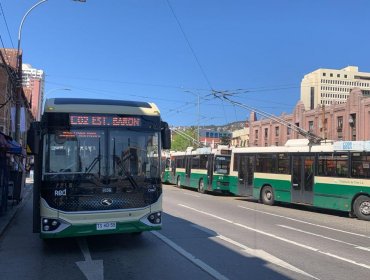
{"points": [[8, 216]]}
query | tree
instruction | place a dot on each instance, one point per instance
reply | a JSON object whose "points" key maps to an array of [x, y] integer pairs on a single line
{"points": [[180, 143], [225, 140]]}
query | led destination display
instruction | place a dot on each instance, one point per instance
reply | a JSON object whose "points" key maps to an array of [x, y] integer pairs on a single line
{"points": [[104, 120]]}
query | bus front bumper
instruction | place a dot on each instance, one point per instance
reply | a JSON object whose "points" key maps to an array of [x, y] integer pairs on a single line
{"points": [[64, 229]]}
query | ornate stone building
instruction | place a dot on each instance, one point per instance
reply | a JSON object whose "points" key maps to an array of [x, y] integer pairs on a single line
{"points": [[339, 121]]}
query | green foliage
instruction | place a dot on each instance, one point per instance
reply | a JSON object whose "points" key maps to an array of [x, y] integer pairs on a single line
{"points": [[225, 140], [180, 143]]}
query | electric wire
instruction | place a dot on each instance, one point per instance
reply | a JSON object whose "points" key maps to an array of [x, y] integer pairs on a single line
{"points": [[189, 45], [6, 24]]}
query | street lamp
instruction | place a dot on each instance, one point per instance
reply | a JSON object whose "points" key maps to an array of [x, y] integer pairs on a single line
{"points": [[19, 66], [198, 99]]}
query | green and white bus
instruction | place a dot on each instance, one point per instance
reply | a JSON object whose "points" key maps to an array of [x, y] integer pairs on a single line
{"points": [[204, 169], [331, 175], [97, 167]]}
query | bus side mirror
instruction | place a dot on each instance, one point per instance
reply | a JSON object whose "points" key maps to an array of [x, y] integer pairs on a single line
{"points": [[166, 136], [33, 138]]}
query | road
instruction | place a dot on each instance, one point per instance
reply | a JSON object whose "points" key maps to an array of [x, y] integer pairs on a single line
{"points": [[203, 237]]}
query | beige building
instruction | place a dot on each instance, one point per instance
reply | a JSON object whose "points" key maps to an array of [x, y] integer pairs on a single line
{"points": [[330, 86], [240, 137]]}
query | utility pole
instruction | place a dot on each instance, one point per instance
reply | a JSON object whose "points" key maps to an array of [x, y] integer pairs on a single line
{"points": [[198, 117]]}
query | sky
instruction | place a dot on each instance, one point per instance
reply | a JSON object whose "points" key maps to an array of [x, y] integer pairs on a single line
{"points": [[171, 52]]}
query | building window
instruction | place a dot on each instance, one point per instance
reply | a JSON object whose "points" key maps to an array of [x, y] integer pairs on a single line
{"points": [[266, 132], [324, 74], [256, 134], [288, 130], [339, 123], [312, 98], [310, 126], [276, 131], [331, 74]]}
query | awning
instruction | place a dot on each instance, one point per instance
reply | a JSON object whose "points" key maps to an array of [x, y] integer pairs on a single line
{"points": [[4, 145], [8, 145]]}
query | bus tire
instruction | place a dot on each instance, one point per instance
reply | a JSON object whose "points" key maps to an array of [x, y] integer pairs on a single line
{"points": [[361, 207], [178, 182], [267, 195], [201, 186]]}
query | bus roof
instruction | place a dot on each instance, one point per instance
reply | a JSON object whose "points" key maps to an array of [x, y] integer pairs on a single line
{"points": [[328, 147], [107, 106]]}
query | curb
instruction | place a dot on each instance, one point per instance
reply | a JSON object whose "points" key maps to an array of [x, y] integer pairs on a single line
{"points": [[9, 215]]}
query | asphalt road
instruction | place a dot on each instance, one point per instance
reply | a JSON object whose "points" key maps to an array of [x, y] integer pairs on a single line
{"points": [[203, 237]]}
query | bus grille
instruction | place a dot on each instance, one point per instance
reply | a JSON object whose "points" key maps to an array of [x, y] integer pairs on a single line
{"points": [[96, 202]]}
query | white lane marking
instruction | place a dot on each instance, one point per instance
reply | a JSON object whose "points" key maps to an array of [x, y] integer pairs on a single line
{"points": [[304, 222], [319, 235], [363, 248], [346, 260], [252, 229], [208, 214], [279, 238], [92, 269], [191, 194], [257, 253], [205, 267]]}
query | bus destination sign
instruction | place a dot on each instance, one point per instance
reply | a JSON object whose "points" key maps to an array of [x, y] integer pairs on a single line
{"points": [[104, 120]]}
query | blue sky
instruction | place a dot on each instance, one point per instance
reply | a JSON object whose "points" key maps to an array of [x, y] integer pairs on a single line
{"points": [[135, 50]]}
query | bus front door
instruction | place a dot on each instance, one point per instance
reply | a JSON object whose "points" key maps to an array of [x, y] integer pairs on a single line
{"points": [[245, 176], [302, 179], [210, 168], [173, 170], [187, 171]]}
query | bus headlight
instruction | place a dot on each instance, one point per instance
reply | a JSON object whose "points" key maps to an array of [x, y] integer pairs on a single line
{"points": [[155, 218], [50, 224]]}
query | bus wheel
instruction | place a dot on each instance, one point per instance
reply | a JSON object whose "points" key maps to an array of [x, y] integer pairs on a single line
{"points": [[361, 207], [201, 186], [178, 182], [267, 196]]}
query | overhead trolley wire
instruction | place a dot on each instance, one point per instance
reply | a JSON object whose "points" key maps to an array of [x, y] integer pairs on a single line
{"points": [[189, 45]]}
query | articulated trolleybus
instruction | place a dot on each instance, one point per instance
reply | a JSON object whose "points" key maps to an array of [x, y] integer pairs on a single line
{"points": [[204, 169], [97, 167], [331, 175]]}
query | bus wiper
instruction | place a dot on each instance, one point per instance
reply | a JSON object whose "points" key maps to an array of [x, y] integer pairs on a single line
{"points": [[93, 163], [121, 165]]}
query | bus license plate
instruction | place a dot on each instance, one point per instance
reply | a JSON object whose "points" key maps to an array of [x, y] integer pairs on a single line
{"points": [[106, 226]]}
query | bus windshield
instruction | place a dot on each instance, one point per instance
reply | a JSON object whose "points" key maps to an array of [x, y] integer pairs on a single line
{"points": [[102, 152], [222, 164], [134, 154]]}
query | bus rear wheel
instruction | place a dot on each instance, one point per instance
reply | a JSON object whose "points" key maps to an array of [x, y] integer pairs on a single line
{"points": [[267, 196], [361, 207], [201, 186]]}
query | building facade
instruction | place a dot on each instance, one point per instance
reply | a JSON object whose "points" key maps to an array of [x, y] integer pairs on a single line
{"points": [[330, 86], [15, 113], [212, 138], [340, 121], [33, 82], [240, 137]]}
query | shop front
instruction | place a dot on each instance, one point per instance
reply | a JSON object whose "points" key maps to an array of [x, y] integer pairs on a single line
{"points": [[12, 158]]}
